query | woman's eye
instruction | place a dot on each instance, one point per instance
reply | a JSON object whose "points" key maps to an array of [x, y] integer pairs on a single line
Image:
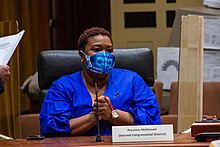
{"points": [[96, 49], [110, 50]]}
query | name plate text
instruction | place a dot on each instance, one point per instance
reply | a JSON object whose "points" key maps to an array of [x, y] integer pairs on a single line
{"points": [[142, 133]]}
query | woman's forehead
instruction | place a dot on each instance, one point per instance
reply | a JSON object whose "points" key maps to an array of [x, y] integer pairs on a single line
{"points": [[99, 39]]}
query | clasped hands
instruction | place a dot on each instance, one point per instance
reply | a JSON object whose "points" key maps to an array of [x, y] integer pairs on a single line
{"points": [[104, 109]]}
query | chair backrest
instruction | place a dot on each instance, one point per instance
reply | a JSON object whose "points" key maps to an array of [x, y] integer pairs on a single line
{"points": [[158, 88], [173, 100], [53, 64], [211, 98]]}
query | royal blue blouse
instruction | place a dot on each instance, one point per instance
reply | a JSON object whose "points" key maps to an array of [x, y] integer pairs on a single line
{"points": [[69, 98]]}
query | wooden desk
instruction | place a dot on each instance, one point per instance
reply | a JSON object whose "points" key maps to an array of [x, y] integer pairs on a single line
{"points": [[181, 140]]}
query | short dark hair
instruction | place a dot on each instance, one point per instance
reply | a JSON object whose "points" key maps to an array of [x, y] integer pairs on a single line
{"points": [[83, 39]]}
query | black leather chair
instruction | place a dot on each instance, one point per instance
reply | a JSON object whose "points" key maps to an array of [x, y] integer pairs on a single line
{"points": [[53, 64]]}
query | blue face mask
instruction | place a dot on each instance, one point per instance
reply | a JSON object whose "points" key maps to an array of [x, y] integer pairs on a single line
{"points": [[100, 63]]}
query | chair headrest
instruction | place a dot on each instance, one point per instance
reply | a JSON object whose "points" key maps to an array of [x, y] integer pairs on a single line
{"points": [[53, 64]]}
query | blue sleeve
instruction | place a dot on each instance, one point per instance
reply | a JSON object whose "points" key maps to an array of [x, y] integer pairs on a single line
{"points": [[146, 109], [56, 112]]}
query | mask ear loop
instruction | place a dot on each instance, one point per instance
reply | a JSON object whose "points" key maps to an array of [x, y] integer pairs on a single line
{"points": [[87, 58], [81, 54]]}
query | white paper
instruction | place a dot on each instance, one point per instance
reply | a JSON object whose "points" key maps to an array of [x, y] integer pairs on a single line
{"points": [[211, 68], [8, 45], [167, 65], [212, 3], [212, 32]]}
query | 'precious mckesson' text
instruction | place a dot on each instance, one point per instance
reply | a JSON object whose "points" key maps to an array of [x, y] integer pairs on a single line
{"points": [[143, 129]]}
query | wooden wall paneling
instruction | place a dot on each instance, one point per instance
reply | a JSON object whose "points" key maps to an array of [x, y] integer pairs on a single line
{"points": [[191, 72], [71, 17], [63, 15], [10, 99]]}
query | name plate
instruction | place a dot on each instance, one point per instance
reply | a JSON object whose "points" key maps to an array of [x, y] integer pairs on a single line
{"points": [[142, 133]]}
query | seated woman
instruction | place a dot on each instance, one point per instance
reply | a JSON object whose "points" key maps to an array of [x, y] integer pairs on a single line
{"points": [[69, 107]]}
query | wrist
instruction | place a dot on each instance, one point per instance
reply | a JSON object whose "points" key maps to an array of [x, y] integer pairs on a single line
{"points": [[114, 115], [93, 118]]}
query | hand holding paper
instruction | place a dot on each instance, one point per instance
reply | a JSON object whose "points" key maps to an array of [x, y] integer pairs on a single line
{"points": [[4, 73], [8, 45]]}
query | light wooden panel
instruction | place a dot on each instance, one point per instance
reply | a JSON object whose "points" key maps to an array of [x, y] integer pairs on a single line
{"points": [[191, 71]]}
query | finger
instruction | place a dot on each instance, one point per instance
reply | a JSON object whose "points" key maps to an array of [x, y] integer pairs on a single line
{"points": [[100, 105], [6, 73], [99, 112], [4, 78], [101, 99], [5, 67], [107, 100]]}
